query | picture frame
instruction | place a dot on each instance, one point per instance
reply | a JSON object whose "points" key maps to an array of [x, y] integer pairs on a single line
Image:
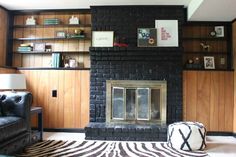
{"points": [[147, 37], [60, 34], [168, 33], [102, 38], [40, 47], [209, 62], [219, 31]]}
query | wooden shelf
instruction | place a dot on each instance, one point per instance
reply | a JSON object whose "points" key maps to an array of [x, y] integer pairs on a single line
{"points": [[59, 25], [51, 68], [132, 49], [204, 38], [194, 69], [23, 39], [206, 53], [37, 52]]}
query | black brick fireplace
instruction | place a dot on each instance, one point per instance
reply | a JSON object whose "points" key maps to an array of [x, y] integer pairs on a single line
{"points": [[133, 63]]}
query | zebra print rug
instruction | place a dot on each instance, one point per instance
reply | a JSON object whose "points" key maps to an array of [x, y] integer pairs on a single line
{"points": [[52, 148]]}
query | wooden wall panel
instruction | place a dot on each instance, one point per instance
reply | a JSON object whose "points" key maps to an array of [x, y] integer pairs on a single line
{"points": [[70, 109], [203, 98], [221, 119], [3, 36], [234, 54], [208, 98], [85, 95], [229, 101], [190, 97], [7, 71]]}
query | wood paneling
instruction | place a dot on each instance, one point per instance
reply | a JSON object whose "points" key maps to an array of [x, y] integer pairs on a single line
{"points": [[208, 98], [3, 36], [70, 109], [234, 54], [7, 71]]}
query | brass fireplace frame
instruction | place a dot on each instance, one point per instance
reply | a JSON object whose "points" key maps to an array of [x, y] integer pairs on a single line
{"points": [[134, 84]]}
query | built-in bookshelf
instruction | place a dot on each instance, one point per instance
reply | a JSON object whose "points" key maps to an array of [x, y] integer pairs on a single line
{"points": [[35, 45], [202, 42]]}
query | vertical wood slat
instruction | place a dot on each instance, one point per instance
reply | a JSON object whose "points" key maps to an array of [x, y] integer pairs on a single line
{"points": [[190, 98], [85, 95], [208, 98], [3, 36], [214, 100], [234, 59], [221, 118], [229, 101], [70, 109], [7, 71], [203, 98]]}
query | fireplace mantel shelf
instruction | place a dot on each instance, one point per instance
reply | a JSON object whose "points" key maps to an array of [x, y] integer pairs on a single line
{"points": [[127, 49]]}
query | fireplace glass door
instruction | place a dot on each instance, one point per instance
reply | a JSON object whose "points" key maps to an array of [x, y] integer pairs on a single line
{"points": [[130, 103]]}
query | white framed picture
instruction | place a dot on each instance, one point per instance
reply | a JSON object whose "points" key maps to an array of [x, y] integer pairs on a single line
{"points": [[219, 31], [102, 38], [167, 33], [209, 62]]}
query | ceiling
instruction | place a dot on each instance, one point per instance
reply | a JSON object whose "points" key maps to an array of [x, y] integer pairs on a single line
{"points": [[198, 10]]}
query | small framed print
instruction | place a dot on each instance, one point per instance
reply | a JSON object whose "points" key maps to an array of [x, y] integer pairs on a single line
{"points": [[147, 37], [102, 38], [39, 47], [209, 62], [219, 31], [60, 34]]}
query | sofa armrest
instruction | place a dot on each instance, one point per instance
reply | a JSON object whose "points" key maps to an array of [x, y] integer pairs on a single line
{"points": [[16, 104]]}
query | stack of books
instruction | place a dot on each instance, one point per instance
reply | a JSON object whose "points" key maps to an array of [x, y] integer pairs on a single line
{"points": [[77, 36], [56, 60], [52, 21], [25, 48]]}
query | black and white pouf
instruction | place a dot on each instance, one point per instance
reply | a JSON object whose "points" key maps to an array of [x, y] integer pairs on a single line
{"points": [[187, 136]]}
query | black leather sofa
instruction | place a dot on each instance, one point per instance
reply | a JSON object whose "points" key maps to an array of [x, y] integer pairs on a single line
{"points": [[14, 121]]}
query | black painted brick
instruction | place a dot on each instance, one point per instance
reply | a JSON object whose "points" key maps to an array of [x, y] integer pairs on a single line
{"points": [[160, 63]]}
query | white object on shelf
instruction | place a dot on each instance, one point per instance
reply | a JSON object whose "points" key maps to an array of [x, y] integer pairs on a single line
{"points": [[30, 21], [73, 20]]}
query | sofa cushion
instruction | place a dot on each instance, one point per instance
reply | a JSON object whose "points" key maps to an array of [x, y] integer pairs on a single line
{"points": [[11, 126]]}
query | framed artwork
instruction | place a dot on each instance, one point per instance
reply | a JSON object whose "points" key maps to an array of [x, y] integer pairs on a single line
{"points": [[219, 31], [209, 62], [147, 37], [102, 38], [167, 31], [60, 34], [39, 47]]}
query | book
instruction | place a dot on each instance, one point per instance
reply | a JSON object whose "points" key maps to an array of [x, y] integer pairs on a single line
{"points": [[56, 60]]}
